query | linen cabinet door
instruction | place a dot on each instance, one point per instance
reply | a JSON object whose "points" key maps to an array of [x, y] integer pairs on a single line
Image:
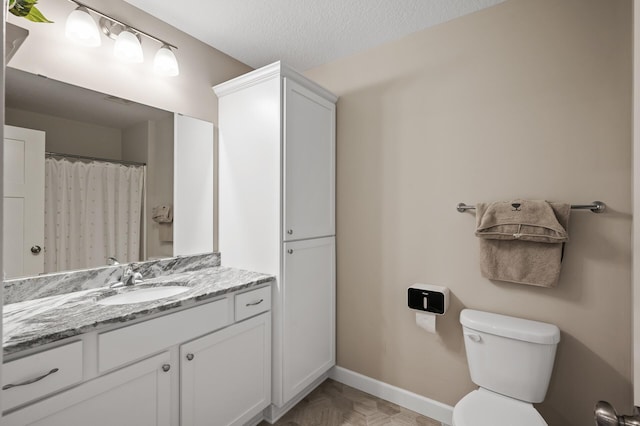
{"points": [[308, 313], [309, 164], [226, 376], [137, 395]]}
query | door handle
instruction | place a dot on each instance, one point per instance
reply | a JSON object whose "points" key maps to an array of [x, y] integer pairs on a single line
{"points": [[28, 382], [36, 249]]}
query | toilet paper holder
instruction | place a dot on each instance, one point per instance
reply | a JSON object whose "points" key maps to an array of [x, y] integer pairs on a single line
{"points": [[428, 298]]}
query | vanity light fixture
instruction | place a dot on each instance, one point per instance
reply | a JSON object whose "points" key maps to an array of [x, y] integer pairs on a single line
{"points": [[128, 48], [165, 63], [81, 27]]}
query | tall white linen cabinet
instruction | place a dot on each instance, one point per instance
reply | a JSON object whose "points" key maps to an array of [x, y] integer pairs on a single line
{"points": [[277, 214]]}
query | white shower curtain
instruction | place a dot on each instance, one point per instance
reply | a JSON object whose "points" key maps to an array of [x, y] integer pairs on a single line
{"points": [[92, 211]]}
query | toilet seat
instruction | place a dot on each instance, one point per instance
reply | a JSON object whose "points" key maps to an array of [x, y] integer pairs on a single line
{"points": [[485, 408]]}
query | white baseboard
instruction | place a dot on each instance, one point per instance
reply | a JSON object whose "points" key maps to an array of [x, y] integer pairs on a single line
{"points": [[273, 413], [409, 400]]}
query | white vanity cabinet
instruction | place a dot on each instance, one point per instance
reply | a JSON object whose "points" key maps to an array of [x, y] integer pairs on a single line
{"points": [[137, 395], [277, 213], [206, 365], [41, 374], [225, 377]]}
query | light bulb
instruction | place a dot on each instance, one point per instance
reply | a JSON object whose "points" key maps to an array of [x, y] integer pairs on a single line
{"points": [[165, 62], [128, 48], [82, 29]]}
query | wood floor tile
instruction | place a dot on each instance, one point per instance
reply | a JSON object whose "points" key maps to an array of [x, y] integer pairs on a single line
{"points": [[335, 404]]}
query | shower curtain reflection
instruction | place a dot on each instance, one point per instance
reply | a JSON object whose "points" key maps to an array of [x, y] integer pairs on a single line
{"points": [[93, 211]]}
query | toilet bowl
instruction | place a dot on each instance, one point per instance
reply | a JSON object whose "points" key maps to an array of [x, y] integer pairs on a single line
{"points": [[511, 360], [482, 407]]}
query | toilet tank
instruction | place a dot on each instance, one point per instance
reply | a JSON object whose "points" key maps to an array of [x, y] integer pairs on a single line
{"points": [[510, 356]]}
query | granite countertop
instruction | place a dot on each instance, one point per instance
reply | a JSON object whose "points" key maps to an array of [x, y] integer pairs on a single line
{"points": [[32, 323]]}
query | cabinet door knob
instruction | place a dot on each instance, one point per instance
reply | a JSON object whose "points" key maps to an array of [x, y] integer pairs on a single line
{"points": [[190, 357], [290, 251], [290, 232], [166, 367], [36, 249]]}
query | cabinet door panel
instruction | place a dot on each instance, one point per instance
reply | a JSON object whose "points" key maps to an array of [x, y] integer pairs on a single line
{"points": [[226, 376], [309, 312], [309, 165], [138, 395]]}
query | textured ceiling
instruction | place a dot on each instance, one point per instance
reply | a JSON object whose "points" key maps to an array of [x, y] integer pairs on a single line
{"points": [[304, 33]]}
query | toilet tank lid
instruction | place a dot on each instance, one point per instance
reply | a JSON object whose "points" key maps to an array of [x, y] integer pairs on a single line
{"points": [[510, 327]]}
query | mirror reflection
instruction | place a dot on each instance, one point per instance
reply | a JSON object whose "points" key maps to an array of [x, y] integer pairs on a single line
{"points": [[88, 178]]}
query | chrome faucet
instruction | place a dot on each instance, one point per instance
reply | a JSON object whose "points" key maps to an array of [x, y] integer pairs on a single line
{"points": [[128, 278]]}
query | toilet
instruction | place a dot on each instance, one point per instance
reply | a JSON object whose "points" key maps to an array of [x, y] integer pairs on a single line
{"points": [[511, 360]]}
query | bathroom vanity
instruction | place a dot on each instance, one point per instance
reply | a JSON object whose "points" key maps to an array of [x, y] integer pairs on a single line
{"points": [[198, 358]]}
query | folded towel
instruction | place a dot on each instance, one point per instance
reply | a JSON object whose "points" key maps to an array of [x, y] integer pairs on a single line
{"points": [[522, 241], [162, 214]]}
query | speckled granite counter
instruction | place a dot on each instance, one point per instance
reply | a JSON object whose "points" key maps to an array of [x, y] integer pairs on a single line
{"points": [[32, 323]]}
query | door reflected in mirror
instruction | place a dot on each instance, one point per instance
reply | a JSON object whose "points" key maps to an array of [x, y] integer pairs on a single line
{"points": [[84, 174]]}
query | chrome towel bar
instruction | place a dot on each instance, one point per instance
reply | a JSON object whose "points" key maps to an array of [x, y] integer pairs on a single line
{"points": [[595, 206]]}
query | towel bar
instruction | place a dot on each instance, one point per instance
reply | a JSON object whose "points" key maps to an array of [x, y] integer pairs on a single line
{"points": [[595, 206]]}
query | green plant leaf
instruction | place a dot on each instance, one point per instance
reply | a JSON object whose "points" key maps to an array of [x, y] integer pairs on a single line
{"points": [[27, 9], [36, 16]]}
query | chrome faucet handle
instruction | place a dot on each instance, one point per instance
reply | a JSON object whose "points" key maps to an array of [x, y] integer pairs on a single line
{"points": [[130, 278]]}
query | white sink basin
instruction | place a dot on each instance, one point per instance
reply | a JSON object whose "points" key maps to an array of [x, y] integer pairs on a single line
{"points": [[143, 295]]}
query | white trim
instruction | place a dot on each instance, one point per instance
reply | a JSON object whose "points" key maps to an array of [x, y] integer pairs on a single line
{"points": [[273, 413], [409, 400], [247, 80], [267, 72]]}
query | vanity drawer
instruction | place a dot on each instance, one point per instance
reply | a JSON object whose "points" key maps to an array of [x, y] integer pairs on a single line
{"points": [[140, 340], [37, 375], [252, 303]]}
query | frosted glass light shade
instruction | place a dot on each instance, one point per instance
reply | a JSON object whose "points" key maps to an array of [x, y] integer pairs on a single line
{"points": [[81, 28], [165, 62], [128, 48]]}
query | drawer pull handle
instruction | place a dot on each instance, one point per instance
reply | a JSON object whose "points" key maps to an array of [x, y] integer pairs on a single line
{"points": [[28, 382], [190, 357], [166, 367], [290, 251], [255, 303]]}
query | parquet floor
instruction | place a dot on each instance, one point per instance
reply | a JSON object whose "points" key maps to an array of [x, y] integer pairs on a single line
{"points": [[335, 404]]}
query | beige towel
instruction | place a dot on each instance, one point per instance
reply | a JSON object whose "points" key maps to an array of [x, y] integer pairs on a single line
{"points": [[162, 214], [521, 241]]}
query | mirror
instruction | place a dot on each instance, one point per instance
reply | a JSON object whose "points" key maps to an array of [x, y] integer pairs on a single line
{"points": [[89, 131]]}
